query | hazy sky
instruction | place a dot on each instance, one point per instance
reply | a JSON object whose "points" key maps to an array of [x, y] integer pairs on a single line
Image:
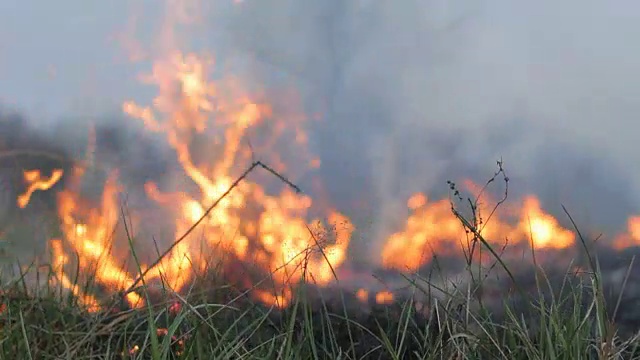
{"points": [[419, 89]]}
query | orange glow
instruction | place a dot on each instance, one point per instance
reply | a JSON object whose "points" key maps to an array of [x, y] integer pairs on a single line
{"points": [[88, 232], [433, 229], [36, 182], [543, 229], [217, 126], [269, 229], [384, 297], [631, 237], [362, 295]]}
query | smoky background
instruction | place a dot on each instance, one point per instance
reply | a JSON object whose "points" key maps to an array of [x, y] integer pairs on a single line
{"points": [[410, 94]]}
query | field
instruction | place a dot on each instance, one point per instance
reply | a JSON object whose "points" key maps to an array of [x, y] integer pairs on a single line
{"points": [[581, 309], [195, 220]]}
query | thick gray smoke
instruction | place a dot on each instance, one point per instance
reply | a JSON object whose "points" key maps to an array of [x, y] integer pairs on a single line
{"points": [[418, 92]]}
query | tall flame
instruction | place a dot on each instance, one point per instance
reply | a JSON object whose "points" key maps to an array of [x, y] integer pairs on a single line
{"points": [[269, 230]]}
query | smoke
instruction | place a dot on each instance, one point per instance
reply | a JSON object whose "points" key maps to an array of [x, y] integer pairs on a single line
{"points": [[415, 93], [412, 93]]}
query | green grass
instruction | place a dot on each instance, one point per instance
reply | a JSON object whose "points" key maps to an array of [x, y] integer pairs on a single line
{"points": [[571, 323], [560, 317]]}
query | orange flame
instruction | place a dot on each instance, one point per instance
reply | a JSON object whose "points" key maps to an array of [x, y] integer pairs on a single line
{"points": [[544, 230], [36, 182], [631, 237], [214, 128], [249, 223], [362, 295], [88, 231], [384, 297], [433, 229]]}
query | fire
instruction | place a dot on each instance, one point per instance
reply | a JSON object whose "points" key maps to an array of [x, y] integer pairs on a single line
{"points": [[87, 231], [277, 238], [544, 230], [36, 182], [272, 234], [631, 237], [362, 295], [384, 297], [60, 260], [216, 127], [248, 223], [432, 229]]}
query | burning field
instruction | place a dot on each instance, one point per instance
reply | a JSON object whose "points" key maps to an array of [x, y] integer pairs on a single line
{"points": [[228, 221]]}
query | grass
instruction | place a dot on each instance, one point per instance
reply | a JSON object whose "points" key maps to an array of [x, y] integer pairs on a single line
{"points": [[560, 317]]}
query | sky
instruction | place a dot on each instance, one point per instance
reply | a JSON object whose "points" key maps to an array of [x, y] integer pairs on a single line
{"points": [[414, 92]]}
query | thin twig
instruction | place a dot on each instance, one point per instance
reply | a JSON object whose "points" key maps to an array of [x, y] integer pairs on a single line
{"points": [[254, 165]]}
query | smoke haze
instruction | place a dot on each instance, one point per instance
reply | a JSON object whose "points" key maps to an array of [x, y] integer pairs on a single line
{"points": [[419, 92], [412, 93]]}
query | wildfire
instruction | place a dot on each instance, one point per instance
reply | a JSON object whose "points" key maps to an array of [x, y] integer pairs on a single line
{"points": [[214, 128], [87, 231], [362, 295], [543, 229], [268, 230], [249, 224], [432, 229]]}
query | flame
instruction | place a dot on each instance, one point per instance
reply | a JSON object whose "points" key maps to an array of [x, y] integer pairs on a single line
{"points": [[60, 260], [362, 295], [216, 127], [433, 229], [631, 237], [249, 223], [544, 230], [88, 231], [277, 237], [384, 297], [36, 182]]}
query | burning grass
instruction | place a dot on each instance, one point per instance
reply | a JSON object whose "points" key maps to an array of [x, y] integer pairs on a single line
{"points": [[245, 271], [215, 320], [499, 308]]}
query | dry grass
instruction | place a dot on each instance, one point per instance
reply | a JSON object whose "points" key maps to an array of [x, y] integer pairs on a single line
{"points": [[566, 319]]}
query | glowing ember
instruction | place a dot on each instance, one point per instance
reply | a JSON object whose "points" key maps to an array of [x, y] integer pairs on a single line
{"points": [[384, 297], [433, 229], [631, 237], [362, 295], [60, 260]]}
